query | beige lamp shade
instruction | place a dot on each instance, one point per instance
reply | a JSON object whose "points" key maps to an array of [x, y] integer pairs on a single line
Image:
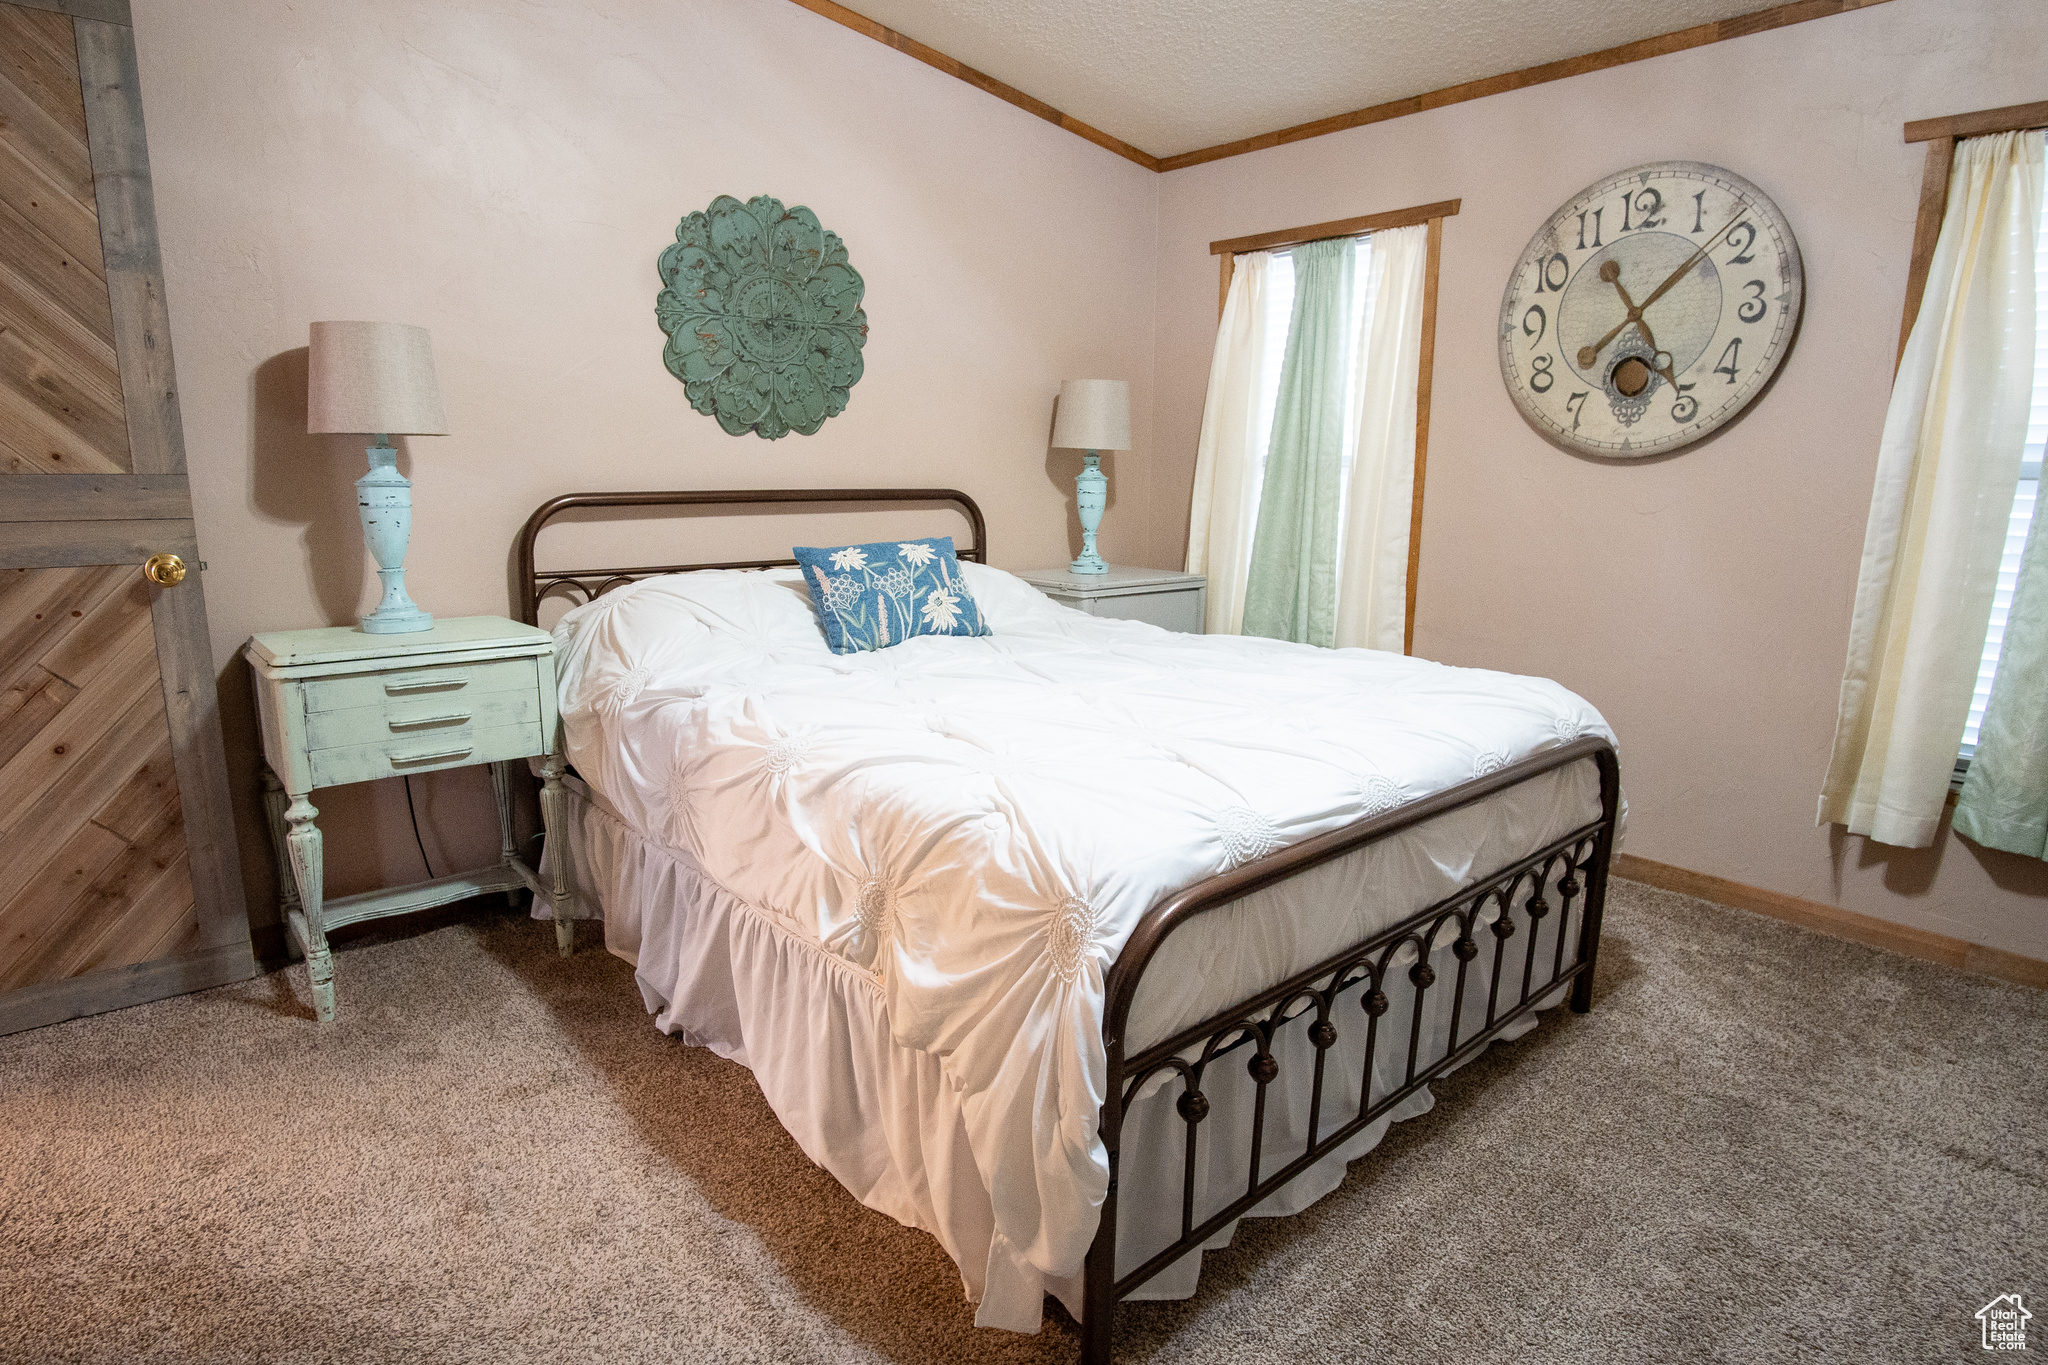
{"points": [[371, 377], [1094, 414]]}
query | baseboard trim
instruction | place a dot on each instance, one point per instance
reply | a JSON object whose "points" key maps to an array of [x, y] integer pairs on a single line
{"points": [[1838, 923], [52, 1002]]}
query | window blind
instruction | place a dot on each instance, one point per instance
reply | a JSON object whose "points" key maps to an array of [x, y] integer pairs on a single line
{"points": [[2024, 497]]}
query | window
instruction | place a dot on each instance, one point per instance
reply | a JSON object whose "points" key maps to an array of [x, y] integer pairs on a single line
{"points": [[2024, 499], [1279, 312], [1913, 660], [1375, 604]]}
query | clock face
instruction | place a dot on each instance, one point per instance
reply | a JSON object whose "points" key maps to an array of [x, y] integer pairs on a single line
{"points": [[1650, 310]]}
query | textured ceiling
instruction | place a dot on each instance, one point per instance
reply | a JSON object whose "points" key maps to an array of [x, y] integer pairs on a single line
{"points": [[1171, 76]]}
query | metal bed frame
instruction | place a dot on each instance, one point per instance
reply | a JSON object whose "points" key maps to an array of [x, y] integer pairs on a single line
{"points": [[1574, 867]]}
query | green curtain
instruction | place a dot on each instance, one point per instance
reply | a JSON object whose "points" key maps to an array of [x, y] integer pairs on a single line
{"points": [[2005, 796], [1291, 588]]}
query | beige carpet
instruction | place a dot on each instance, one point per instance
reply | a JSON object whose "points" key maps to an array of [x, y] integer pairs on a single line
{"points": [[1761, 1144]]}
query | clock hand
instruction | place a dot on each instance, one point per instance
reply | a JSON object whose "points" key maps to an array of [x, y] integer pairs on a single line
{"points": [[1649, 339], [1610, 271], [1673, 278], [1589, 354], [1669, 377]]}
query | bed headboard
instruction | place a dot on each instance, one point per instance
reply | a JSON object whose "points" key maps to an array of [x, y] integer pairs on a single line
{"points": [[535, 584]]}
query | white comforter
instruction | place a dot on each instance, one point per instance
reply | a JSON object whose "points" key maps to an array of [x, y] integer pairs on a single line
{"points": [[979, 823]]}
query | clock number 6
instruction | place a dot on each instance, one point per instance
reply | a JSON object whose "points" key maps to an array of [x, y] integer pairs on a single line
{"points": [[1754, 307], [1543, 269], [1540, 377]]}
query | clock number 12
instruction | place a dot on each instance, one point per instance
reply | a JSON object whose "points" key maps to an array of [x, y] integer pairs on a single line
{"points": [[1649, 210]]}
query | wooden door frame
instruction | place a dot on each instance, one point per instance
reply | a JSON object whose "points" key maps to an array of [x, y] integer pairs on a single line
{"points": [[55, 520], [1433, 216]]}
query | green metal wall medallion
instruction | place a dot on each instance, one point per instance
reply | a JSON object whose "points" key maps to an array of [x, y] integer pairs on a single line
{"points": [[763, 316]]}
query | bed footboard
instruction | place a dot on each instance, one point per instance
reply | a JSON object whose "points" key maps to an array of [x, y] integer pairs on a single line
{"points": [[1573, 868]]}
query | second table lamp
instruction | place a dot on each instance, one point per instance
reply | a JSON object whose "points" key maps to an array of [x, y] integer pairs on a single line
{"points": [[1094, 415]]}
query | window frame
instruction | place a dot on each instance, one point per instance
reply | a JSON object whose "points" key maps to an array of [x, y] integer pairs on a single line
{"points": [[1940, 135], [1433, 216]]}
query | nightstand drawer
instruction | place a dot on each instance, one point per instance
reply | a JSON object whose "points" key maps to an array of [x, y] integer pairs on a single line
{"points": [[424, 752], [446, 682], [1158, 597], [423, 718], [1178, 610]]}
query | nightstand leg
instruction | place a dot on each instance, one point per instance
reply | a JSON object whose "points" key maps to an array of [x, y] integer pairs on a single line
{"points": [[501, 787], [304, 845], [274, 802], [554, 815]]}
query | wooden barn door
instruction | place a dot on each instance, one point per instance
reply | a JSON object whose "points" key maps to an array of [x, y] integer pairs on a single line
{"points": [[119, 880]]}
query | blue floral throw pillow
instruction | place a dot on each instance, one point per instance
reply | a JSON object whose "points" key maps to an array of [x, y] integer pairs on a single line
{"points": [[874, 596]]}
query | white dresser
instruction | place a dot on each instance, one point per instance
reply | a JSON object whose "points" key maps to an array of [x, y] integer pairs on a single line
{"points": [[1161, 597]]}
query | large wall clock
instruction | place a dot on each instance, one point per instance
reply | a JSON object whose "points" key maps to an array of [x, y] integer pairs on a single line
{"points": [[762, 312], [1650, 310]]}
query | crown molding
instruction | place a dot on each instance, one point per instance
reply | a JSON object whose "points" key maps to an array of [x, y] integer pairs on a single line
{"points": [[980, 80], [1700, 35]]}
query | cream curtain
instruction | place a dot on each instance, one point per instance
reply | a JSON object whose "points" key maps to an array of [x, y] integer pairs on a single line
{"points": [[1226, 499], [1947, 465], [1372, 586]]}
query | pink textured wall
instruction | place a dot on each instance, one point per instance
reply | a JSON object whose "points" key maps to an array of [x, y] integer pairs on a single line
{"points": [[1701, 601], [504, 172]]}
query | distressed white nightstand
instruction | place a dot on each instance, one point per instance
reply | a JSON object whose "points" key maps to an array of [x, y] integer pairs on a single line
{"points": [[1161, 597], [339, 705]]}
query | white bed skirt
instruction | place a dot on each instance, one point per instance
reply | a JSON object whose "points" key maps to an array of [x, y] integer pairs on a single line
{"points": [[886, 1121]]}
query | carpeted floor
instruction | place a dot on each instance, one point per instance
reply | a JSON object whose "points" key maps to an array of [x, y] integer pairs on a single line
{"points": [[1760, 1145]]}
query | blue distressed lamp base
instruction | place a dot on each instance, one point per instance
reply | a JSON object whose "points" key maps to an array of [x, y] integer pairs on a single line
{"points": [[403, 620], [384, 497], [1091, 495]]}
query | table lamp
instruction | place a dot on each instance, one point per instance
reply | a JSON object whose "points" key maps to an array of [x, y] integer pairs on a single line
{"points": [[377, 379], [1094, 415]]}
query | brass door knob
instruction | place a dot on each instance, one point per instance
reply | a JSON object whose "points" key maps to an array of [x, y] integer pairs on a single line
{"points": [[164, 570]]}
